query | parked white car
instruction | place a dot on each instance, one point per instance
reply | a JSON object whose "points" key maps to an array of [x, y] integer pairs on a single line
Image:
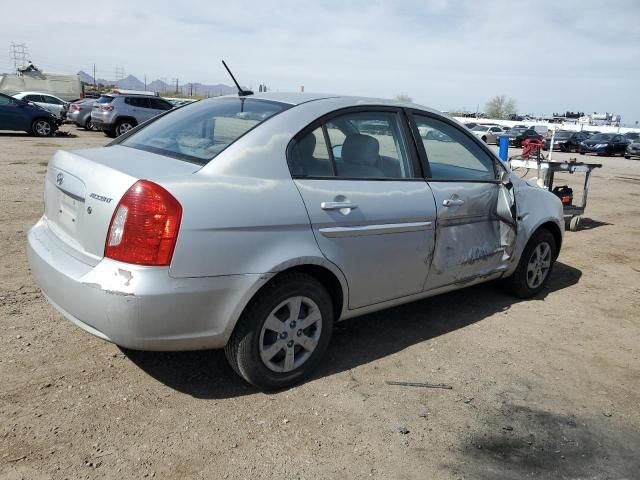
{"points": [[55, 105], [487, 133]]}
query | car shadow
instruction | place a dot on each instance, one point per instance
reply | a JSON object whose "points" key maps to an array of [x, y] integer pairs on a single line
{"points": [[206, 374], [590, 224]]}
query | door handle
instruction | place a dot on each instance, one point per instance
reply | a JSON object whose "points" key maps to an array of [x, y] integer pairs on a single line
{"points": [[452, 202], [337, 205]]}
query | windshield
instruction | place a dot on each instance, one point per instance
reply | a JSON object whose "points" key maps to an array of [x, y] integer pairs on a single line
{"points": [[198, 132], [480, 128], [515, 131], [601, 136]]}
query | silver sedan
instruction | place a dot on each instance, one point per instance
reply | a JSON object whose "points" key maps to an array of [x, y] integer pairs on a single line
{"points": [[488, 133], [254, 223]]}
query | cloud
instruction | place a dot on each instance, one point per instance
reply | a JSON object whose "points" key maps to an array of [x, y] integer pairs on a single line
{"points": [[548, 55]]}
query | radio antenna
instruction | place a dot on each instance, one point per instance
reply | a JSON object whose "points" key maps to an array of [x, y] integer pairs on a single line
{"points": [[241, 92]]}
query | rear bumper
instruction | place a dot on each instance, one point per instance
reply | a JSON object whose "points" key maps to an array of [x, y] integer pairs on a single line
{"points": [[138, 307], [100, 124]]}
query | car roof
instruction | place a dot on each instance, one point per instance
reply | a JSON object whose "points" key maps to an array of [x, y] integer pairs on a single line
{"points": [[298, 98], [37, 93]]}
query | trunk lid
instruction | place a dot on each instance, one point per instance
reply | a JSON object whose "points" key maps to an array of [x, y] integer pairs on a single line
{"points": [[83, 188]]}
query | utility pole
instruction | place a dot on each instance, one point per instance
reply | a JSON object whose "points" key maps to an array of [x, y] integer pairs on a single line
{"points": [[95, 82], [145, 83]]}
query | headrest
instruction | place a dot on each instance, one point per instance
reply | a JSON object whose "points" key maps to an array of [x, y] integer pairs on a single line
{"points": [[360, 150], [307, 145]]}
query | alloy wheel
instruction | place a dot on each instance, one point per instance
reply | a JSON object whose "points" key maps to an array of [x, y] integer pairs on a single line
{"points": [[539, 265], [43, 128], [290, 334], [124, 127]]}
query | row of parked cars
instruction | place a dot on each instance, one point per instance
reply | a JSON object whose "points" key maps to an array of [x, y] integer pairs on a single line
{"points": [[627, 144], [114, 113]]}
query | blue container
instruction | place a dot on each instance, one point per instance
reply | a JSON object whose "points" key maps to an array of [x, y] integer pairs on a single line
{"points": [[504, 148]]}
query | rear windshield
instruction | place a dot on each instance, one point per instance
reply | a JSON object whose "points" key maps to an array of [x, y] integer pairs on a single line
{"points": [[104, 99], [563, 134], [199, 132], [479, 128]]}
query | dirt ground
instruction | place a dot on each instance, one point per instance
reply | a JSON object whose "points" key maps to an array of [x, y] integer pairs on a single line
{"points": [[547, 388]]}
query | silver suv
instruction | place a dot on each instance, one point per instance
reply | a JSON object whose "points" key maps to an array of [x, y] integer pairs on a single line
{"points": [[117, 113]]}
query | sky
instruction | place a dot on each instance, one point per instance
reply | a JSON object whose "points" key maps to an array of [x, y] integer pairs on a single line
{"points": [[550, 56]]}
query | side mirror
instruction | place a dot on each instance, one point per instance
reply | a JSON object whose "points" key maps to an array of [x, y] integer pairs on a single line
{"points": [[504, 174]]}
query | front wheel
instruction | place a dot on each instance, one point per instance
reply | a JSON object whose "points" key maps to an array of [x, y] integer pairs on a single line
{"points": [[283, 333], [42, 128], [535, 266]]}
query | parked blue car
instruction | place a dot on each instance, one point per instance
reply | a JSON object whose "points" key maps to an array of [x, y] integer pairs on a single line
{"points": [[23, 116], [604, 144]]}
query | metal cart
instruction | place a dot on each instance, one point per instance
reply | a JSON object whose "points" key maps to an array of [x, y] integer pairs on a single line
{"points": [[546, 174]]}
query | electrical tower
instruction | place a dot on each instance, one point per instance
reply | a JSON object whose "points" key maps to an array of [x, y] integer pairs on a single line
{"points": [[119, 73], [19, 54]]}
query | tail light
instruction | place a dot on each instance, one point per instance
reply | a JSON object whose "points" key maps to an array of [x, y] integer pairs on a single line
{"points": [[144, 227], [106, 108], [75, 108], [65, 106]]}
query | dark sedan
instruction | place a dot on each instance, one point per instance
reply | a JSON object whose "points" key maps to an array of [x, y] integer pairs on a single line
{"points": [[525, 135], [604, 144], [566, 141], [512, 134], [19, 115]]}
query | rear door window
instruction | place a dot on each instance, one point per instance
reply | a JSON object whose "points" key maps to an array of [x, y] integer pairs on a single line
{"points": [[51, 100], [359, 145], [159, 104]]}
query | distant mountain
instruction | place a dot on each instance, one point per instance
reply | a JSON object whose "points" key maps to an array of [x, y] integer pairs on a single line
{"points": [[130, 83], [133, 83], [158, 86], [85, 77]]}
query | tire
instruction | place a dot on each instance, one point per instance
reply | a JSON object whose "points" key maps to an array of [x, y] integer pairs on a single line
{"points": [[260, 354], [88, 125], [574, 223], [123, 126], [111, 133], [41, 127], [628, 157], [520, 283]]}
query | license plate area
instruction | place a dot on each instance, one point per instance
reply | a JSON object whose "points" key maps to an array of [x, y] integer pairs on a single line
{"points": [[69, 211]]}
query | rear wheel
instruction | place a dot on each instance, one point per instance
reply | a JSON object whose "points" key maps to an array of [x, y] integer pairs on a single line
{"points": [[123, 126], [535, 266], [42, 127], [283, 333], [90, 126]]}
